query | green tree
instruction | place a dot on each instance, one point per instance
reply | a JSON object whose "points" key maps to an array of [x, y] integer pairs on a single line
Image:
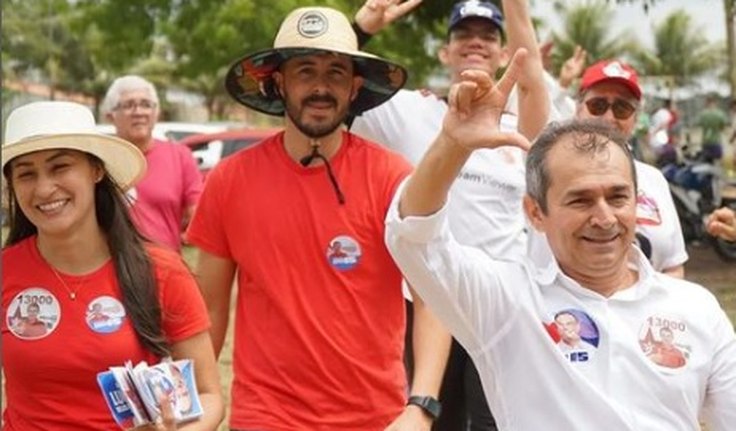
{"points": [[207, 36], [729, 7], [38, 41], [681, 52], [120, 37], [588, 24], [121, 32], [730, 15]]}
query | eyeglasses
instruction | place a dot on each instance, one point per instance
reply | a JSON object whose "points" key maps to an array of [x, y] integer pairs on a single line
{"points": [[622, 109], [130, 105]]}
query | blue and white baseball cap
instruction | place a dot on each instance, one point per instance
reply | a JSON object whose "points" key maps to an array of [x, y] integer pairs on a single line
{"points": [[475, 9]]}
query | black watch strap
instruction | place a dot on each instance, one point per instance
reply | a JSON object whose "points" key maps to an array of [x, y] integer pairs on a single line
{"points": [[361, 35], [429, 404]]}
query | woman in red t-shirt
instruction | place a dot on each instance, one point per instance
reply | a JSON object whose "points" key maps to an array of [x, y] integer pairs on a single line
{"points": [[71, 256]]}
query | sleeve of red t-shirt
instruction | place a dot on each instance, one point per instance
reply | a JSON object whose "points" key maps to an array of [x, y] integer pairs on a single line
{"points": [[183, 311], [206, 230], [397, 169], [192, 178]]}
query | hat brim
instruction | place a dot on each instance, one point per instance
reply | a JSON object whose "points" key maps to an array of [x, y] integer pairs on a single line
{"points": [[249, 81], [633, 88], [496, 22], [123, 161]]}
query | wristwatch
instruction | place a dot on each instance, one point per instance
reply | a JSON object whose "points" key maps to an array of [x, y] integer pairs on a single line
{"points": [[430, 405]]}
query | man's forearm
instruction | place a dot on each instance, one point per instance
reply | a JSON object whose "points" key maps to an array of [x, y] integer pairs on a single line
{"points": [[427, 188], [534, 99], [431, 345]]}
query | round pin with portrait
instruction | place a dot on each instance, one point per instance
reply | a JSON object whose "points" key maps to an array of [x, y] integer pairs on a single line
{"points": [[33, 314], [343, 252], [105, 315]]}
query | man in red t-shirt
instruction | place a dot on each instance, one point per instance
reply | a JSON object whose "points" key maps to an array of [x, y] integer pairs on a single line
{"points": [[319, 326]]}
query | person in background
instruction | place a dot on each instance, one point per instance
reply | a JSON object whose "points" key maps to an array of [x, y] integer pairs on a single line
{"points": [[562, 104], [712, 121], [163, 201], [610, 91], [722, 223], [491, 186], [71, 245], [319, 334], [581, 191], [639, 145], [660, 134]]}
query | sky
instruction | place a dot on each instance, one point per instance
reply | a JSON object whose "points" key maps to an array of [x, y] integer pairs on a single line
{"points": [[707, 15]]}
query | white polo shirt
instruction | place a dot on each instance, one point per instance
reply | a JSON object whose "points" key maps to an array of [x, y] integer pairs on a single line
{"points": [[620, 379], [658, 230]]}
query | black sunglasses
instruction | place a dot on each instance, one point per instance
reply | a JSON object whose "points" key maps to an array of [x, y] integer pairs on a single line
{"points": [[622, 109]]}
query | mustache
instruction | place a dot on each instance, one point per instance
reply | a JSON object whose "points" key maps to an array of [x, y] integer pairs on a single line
{"points": [[320, 98]]}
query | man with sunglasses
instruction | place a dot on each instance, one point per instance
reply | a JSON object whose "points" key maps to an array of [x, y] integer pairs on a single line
{"points": [[610, 90]]}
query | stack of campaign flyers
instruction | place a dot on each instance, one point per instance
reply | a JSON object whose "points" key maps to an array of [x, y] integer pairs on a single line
{"points": [[133, 392]]}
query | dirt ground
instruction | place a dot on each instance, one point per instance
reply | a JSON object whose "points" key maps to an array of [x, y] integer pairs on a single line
{"points": [[706, 268]]}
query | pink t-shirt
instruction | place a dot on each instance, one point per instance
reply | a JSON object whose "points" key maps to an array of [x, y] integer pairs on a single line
{"points": [[319, 327], [171, 184]]}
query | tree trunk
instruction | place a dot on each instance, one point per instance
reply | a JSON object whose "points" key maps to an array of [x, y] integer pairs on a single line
{"points": [[730, 9]]}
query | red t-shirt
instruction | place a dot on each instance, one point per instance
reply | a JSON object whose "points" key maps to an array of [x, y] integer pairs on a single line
{"points": [[171, 184], [51, 375], [318, 336]]}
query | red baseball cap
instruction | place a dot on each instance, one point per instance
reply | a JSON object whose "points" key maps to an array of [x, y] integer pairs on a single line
{"points": [[611, 70]]}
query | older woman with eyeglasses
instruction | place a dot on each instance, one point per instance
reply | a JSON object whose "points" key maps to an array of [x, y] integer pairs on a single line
{"points": [[72, 255], [165, 198]]}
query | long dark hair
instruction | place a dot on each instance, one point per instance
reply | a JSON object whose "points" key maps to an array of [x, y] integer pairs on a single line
{"points": [[133, 266]]}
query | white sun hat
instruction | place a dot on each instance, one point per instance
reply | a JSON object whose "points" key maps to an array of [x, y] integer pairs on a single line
{"points": [[54, 125], [307, 31]]}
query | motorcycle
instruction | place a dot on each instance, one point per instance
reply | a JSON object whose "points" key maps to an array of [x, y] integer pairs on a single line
{"points": [[698, 188]]}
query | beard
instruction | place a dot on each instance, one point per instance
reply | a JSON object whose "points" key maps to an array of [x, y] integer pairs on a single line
{"points": [[315, 130]]}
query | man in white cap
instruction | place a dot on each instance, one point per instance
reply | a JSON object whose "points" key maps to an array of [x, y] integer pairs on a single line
{"points": [[490, 186], [319, 326], [581, 191]]}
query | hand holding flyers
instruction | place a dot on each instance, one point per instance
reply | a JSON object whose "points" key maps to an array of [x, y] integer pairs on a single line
{"points": [[164, 393]]}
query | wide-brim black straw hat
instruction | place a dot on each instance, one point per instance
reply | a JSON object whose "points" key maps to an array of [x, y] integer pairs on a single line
{"points": [[307, 31]]}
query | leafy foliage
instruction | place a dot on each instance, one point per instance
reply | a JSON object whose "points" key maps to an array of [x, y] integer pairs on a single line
{"points": [[81, 45], [588, 24], [681, 52], [38, 39]]}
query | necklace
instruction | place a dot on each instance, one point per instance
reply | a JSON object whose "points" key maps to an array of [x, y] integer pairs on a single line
{"points": [[72, 293]]}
